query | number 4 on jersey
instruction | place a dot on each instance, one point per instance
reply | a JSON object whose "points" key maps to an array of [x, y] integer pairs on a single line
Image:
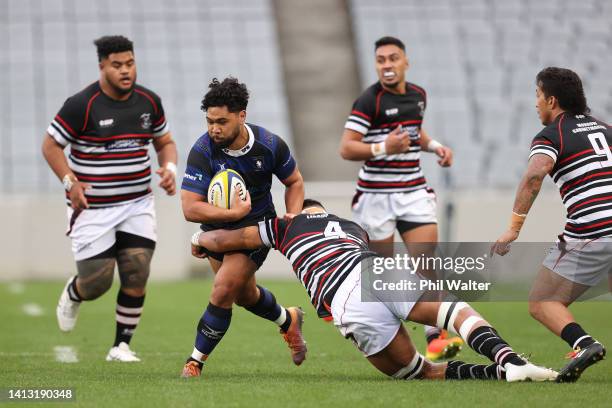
{"points": [[601, 147], [333, 230]]}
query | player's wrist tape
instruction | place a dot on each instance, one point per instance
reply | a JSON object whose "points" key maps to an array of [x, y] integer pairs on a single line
{"points": [[171, 167], [195, 238], [517, 221], [378, 149], [68, 181], [433, 145]]}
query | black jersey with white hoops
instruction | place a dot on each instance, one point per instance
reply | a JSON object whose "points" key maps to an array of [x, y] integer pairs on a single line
{"points": [[323, 250]]}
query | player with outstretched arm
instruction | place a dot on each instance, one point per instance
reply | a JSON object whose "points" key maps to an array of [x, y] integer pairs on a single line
{"points": [[327, 254]]}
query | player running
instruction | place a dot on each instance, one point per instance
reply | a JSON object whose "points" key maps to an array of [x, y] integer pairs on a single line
{"points": [[327, 254], [256, 154], [109, 126], [574, 149], [384, 128]]}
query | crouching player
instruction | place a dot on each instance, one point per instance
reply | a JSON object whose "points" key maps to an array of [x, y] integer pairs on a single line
{"points": [[327, 253]]}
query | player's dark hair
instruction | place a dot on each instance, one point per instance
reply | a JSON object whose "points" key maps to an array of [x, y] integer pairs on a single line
{"points": [[110, 44], [230, 93], [387, 40], [566, 86], [309, 202]]}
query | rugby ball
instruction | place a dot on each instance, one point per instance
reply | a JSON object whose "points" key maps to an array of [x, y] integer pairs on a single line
{"points": [[223, 186]]}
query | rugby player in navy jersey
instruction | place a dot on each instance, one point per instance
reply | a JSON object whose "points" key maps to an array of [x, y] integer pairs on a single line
{"points": [[257, 154], [384, 129], [329, 255], [574, 149], [109, 127]]}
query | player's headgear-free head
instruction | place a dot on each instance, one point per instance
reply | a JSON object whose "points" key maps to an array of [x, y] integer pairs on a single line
{"points": [[565, 85], [388, 40], [111, 44], [309, 202], [230, 93]]}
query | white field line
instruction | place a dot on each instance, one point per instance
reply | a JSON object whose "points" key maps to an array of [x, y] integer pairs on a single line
{"points": [[33, 309], [65, 354]]}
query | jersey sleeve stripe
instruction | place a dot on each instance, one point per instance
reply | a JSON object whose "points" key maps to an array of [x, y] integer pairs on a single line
{"points": [[356, 127], [545, 147], [57, 135], [165, 128], [549, 153], [354, 118], [363, 115], [65, 125], [263, 233]]}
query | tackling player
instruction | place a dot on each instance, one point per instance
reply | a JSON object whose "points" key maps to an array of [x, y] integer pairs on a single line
{"points": [[109, 126], [327, 254], [384, 128], [574, 149], [256, 154]]}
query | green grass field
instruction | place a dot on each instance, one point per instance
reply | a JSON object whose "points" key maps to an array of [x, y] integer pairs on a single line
{"points": [[252, 367]]}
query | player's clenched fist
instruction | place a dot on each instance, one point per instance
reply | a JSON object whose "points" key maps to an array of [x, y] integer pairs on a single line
{"points": [[397, 141]]}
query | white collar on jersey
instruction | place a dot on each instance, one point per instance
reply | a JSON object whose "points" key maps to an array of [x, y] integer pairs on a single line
{"points": [[246, 148]]}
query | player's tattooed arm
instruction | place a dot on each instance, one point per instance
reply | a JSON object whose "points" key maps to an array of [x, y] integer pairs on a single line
{"points": [[231, 240], [539, 166]]}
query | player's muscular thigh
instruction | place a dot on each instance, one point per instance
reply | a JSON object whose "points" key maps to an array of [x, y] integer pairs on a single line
{"points": [[95, 277], [134, 267], [230, 280]]}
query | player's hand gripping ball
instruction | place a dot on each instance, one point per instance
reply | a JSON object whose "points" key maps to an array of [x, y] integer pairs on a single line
{"points": [[223, 187]]}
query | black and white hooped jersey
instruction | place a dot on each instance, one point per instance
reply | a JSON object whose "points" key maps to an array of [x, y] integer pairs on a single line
{"points": [[376, 113], [322, 248], [109, 142], [580, 146]]}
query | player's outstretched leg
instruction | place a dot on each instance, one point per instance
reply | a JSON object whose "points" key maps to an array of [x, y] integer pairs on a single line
{"points": [[548, 303], [261, 302], [481, 337], [95, 277], [400, 360]]}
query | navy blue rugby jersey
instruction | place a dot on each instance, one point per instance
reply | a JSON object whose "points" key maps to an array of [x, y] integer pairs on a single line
{"points": [[265, 154]]}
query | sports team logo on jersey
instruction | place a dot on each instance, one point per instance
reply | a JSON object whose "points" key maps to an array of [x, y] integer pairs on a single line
{"points": [[124, 144], [392, 112], [105, 123], [221, 166], [421, 105], [145, 121], [258, 162]]}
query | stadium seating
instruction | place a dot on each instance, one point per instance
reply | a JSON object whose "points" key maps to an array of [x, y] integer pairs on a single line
{"points": [[47, 54], [478, 60]]}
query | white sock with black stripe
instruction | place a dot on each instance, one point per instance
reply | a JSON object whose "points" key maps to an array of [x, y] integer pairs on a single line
{"points": [[128, 312], [412, 370]]}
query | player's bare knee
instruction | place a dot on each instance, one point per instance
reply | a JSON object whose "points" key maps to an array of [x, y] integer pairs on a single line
{"points": [[535, 310], [134, 266], [95, 277], [225, 293]]}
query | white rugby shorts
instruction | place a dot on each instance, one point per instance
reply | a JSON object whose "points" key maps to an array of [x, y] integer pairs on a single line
{"points": [[378, 213], [584, 261], [370, 325], [93, 230]]}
